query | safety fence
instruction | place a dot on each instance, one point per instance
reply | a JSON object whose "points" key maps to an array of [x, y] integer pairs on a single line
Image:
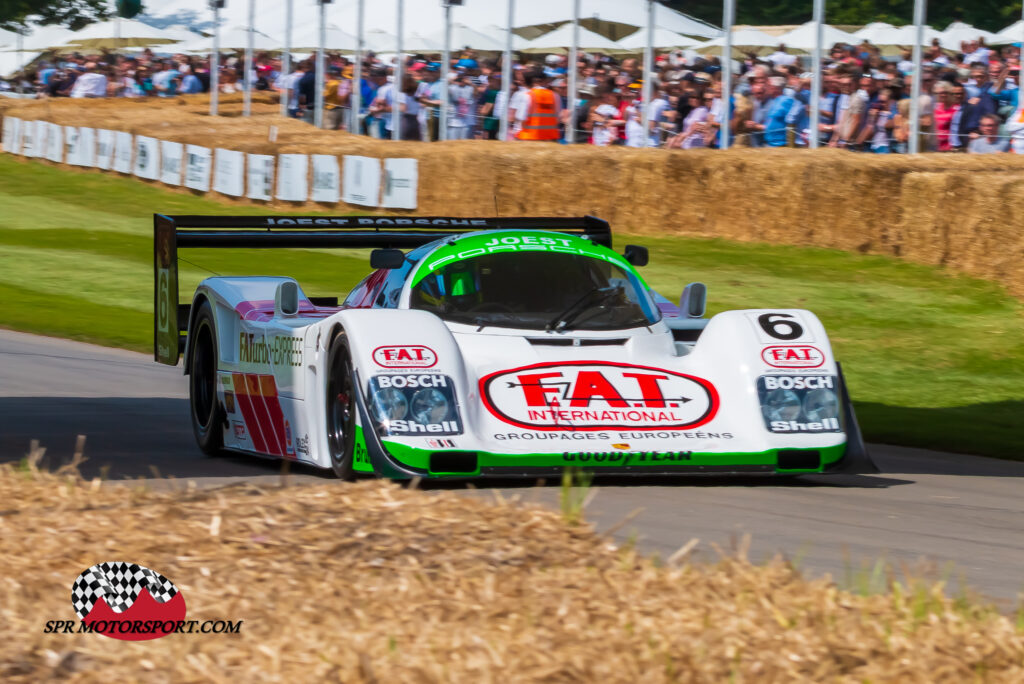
{"points": [[293, 177]]}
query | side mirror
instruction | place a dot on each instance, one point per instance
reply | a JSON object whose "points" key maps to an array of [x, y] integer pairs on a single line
{"points": [[387, 258], [286, 299], [694, 302], [636, 255]]}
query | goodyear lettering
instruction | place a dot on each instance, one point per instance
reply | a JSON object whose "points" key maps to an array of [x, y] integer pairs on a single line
{"points": [[281, 350], [772, 382], [627, 457]]}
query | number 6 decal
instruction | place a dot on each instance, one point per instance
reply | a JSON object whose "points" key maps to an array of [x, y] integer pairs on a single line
{"points": [[781, 326]]}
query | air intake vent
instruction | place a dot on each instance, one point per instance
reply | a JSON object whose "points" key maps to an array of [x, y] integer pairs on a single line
{"points": [[576, 342], [798, 459], [452, 462]]}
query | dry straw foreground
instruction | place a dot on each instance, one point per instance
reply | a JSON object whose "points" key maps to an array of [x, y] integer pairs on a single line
{"points": [[959, 211], [372, 582]]}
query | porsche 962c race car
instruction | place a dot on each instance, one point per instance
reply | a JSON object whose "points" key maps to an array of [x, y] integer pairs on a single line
{"points": [[492, 347]]}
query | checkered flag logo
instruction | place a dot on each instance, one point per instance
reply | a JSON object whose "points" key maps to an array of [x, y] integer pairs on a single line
{"points": [[119, 584]]}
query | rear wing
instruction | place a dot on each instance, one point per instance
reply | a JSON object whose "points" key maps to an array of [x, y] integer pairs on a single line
{"points": [[171, 233]]}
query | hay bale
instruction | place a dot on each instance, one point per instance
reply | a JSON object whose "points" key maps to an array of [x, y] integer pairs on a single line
{"points": [[372, 582], [932, 209]]}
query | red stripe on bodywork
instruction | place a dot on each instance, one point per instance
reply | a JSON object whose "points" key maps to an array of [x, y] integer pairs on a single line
{"points": [[248, 412], [268, 388], [252, 384]]}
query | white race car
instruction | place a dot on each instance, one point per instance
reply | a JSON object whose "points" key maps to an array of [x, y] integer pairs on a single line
{"points": [[493, 347]]}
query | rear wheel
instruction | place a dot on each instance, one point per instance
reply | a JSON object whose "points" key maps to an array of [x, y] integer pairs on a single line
{"points": [[341, 410], [202, 385]]}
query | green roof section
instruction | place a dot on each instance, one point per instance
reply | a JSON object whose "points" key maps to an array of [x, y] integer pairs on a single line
{"points": [[508, 241]]}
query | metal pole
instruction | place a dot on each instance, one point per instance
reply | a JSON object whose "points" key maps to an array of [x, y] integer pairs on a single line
{"points": [[247, 95], [815, 99], [648, 68], [357, 72], [117, 31], [286, 58], [20, 60], [318, 72], [446, 60], [915, 90], [506, 73], [215, 60], [728, 16], [396, 90], [574, 57]]}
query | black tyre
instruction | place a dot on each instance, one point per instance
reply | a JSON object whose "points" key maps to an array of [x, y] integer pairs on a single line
{"points": [[341, 410], [202, 384]]}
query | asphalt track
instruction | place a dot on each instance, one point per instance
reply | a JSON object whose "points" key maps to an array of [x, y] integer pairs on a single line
{"points": [[944, 514]]}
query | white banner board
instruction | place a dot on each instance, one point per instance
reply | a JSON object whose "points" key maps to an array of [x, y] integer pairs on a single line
{"points": [[86, 146], [261, 177], [292, 170], [170, 162], [42, 129], [401, 180], [326, 179], [227, 172], [122, 152], [361, 181], [197, 167], [29, 139], [104, 148], [147, 157], [54, 142], [71, 145], [12, 135]]}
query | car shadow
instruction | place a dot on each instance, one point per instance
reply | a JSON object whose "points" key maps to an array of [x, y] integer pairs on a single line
{"points": [[152, 437]]}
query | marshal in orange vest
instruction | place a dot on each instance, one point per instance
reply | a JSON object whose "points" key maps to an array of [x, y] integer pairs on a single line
{"points": [[542, 123]]}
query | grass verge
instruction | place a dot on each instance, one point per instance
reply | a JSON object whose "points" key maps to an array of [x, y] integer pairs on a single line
{"points": [[372, 582], [934, 359]]}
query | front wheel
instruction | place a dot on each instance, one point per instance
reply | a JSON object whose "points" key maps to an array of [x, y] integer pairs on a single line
{"points": [[341, 410], [202, 385]]}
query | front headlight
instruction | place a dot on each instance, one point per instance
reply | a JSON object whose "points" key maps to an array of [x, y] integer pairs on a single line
{"points": [[389, 404], [820, 404], [781, 404], [429, 406]]}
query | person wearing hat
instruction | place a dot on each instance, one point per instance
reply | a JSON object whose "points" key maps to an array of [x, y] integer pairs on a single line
{"points": [[428, 93], [542, 112]]}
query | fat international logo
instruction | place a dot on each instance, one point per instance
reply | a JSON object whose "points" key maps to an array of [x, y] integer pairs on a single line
{"points": [[127, 601]]}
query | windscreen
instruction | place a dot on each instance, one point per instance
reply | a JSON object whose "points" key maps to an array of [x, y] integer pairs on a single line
{"points": [[536, 291]]}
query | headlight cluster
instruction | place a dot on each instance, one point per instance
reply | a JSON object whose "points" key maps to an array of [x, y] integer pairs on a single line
{"points": [[414, 404], [799, 403]]}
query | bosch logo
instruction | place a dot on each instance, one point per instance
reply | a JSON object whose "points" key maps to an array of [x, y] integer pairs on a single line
{"points": [[786, 382], [793, 356], [405, 356]]}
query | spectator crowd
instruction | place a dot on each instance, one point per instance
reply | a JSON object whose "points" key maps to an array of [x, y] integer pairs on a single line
{"points": [[969, 99]]}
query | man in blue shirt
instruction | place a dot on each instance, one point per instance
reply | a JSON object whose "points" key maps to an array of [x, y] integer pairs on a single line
{"points": [[775, 110]]}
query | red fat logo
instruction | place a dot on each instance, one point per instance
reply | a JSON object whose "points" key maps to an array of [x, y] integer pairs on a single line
{"points": [[405, 356], [793, 356], [114, 598], [594, 395]]}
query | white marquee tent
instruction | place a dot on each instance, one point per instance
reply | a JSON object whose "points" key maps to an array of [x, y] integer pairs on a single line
{"points": [[959, 32], [803, 37], [558, 41], [116, 33], [1013, 33], [663, 40], [743, 40]]}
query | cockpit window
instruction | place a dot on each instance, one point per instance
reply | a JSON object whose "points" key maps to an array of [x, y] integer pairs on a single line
{"points": [[536, 291]]}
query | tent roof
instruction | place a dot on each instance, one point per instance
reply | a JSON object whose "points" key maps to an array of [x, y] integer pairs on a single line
{"points": [[663, 38], [559, 40], [803, 37]]}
